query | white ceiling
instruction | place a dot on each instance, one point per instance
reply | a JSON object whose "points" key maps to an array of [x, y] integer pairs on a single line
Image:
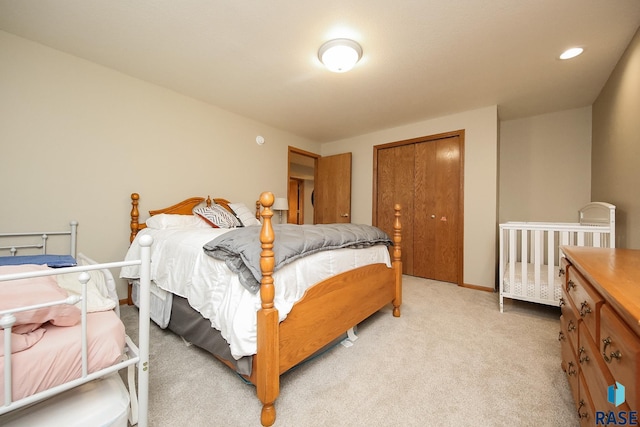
{"points": [[422, 58]]}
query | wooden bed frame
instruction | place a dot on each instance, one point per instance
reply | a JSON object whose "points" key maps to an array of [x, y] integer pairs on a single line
{"points": [[325, 312]]}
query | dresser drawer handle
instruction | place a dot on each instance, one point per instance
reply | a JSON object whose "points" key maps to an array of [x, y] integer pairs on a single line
{"points": [[560, 272], [571, 371], [561, 302], [581, 358], [571, 326], [570, 284], [561, 336], [584, 309], [613, 355]]}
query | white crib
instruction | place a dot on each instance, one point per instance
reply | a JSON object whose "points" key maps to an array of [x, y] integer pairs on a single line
{"points": [[530, 255]]}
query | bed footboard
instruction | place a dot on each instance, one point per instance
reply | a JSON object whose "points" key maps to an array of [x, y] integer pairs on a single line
{"points": [[326, 311]]}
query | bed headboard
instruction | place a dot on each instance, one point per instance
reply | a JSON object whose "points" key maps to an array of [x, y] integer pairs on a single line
{"points": [[598, 213], [184, 207]]}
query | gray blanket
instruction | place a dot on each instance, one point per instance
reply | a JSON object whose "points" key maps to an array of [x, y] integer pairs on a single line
{"points": [[240, 248]]}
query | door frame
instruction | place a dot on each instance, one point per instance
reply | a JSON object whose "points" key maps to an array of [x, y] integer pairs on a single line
{"points": [[457, 133]]}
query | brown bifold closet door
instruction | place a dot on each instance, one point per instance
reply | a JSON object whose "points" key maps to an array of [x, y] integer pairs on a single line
{"points": [[395, 182], [425, 176]]}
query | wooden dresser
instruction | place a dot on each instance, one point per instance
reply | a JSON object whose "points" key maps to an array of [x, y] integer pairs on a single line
{"points": [[600, 330]]}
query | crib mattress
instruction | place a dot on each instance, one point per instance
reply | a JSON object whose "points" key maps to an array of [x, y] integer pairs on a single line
{"points": [[527, 288], [56, 358]]}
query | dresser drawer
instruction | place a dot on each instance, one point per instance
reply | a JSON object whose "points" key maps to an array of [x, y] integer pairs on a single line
{"points": [[586, 413], [570, 368], [620, 349], [596, 375], [586, 300], [569, 328], [564, 268]]}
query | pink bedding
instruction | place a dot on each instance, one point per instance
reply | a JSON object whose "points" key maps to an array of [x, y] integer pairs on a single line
{"points": [[56, 357]]}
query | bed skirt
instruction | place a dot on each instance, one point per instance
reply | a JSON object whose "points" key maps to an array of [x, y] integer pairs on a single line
{"points": [[190, 325]]}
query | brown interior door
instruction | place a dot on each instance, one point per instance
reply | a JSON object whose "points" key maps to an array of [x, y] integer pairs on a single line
{"points": [[332, 196]]}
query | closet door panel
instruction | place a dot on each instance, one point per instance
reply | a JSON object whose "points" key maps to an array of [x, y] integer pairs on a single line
{"points": [[395, 181], [425, 249], [447, 191]]}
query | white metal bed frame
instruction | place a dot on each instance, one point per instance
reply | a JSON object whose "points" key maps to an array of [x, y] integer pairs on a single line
{"points": [[135, 355], [530, 256]]}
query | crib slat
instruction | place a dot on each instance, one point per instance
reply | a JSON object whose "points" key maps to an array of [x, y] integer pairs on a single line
{"points": [[539, 235], [551, 256], [596, 240], [501, 268], [564, 237], [512, 258], [524, 260]]}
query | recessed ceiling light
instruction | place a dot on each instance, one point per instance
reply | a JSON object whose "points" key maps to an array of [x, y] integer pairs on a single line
{"points": [[571, 53]]}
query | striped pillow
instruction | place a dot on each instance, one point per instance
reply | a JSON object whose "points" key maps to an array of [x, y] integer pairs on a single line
{"points": [[217, 216]]}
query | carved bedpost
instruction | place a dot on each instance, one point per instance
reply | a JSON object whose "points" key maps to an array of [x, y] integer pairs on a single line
{"points": [[258, 209], [397, 260], [209, 201], [135, 215], [268, 357]]}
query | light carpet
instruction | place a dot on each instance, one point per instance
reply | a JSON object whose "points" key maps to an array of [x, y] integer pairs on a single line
{"points": [[451, 359]]}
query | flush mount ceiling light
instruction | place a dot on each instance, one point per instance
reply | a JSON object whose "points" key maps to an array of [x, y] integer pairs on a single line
{"points": [[571, 53], [340, 55]]}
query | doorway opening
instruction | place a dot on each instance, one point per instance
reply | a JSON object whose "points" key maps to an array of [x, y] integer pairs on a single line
{"points": [[301, 175]]}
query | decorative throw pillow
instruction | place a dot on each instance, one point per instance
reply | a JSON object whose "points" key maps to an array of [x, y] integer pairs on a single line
{"points": [[246, 216], [217, 216]]}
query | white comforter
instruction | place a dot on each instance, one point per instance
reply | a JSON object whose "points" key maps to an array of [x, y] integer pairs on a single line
{"points": [[179, 265]]}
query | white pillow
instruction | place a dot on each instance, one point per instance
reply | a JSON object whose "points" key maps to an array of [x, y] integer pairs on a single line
{"points": [[246, 216], [162, 221]]}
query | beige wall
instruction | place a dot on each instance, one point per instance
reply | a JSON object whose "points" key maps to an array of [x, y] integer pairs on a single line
{"points": [[616, 145], [545, 166], [74, 137], [480, 169], [77, 139]]}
